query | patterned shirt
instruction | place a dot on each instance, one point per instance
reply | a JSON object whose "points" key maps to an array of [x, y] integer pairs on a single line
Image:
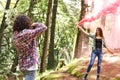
{"points": [[25, 44]]}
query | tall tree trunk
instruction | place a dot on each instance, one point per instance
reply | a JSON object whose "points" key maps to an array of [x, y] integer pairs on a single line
{"points": [[15, 60], [15, 63], [16, 4], [52, 36], [32, 3], [85, 37], [103, 19], [3, 24], [85, 42], [78, 46], [45, 48]]}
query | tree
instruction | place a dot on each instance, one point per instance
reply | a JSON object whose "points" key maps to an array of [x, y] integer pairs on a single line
{"points": [[52, 36], [78, 46], [103, 19], [32, 3], [3, 24], [46, 40], [16, 4], [89, 9], [15, 63], [15, 60]]}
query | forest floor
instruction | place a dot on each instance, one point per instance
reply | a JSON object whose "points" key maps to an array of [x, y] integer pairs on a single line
{"points": [[110, 69]]}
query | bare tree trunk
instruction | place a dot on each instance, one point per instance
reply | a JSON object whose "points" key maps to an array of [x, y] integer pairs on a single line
{"points": [[52, 36], [16, 4], [15, 60], [15, 63], [85, 42], [3, 24], [78, 46], [89, 9], [32, 3], [103, 19], [45, 48]]}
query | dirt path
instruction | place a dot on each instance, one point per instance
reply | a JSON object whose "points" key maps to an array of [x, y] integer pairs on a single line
{"points": [[110, 67]]}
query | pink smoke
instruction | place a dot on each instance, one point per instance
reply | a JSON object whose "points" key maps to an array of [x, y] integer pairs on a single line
{"points": [[102, 7], [105, 7]]}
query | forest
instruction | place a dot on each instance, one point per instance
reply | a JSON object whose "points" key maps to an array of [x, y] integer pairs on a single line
{"points": [[63, 48]]}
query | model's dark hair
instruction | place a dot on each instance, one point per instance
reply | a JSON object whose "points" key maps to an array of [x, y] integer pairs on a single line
{"points": [[101, 32], [21, 22]]}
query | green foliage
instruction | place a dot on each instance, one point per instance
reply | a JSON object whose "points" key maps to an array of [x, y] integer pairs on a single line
{"points": [[72, 68], [52, 76], [7, 50], [64, 34], [40, 11], [23, 6], [12, 76]]}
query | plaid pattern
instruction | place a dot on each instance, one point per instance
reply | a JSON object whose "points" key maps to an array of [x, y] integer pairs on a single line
{"points": [[25, 44]]}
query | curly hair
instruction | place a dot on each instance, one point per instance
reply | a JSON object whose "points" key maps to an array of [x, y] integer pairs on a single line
{"points": [[21, 22]]}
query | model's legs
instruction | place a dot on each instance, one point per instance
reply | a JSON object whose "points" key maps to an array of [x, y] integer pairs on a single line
{"points": [[93, 56], [99, 63]]}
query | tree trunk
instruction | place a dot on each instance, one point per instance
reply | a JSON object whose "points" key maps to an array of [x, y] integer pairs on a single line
{"points": [[52, 36], [78, 46], [16, 4], [45, 47], [85, 42], [15, 63], [32, 3], [3, 24], [85, 37], [103, 19], [15, 60]]}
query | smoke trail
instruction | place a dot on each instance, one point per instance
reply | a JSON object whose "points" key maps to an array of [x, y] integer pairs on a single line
{"points": [[102, 7], [105, 7]]}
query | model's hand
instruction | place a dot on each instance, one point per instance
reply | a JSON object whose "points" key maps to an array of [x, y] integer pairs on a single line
{"points": [[110, 51], [81, 29], [79, 26]]}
